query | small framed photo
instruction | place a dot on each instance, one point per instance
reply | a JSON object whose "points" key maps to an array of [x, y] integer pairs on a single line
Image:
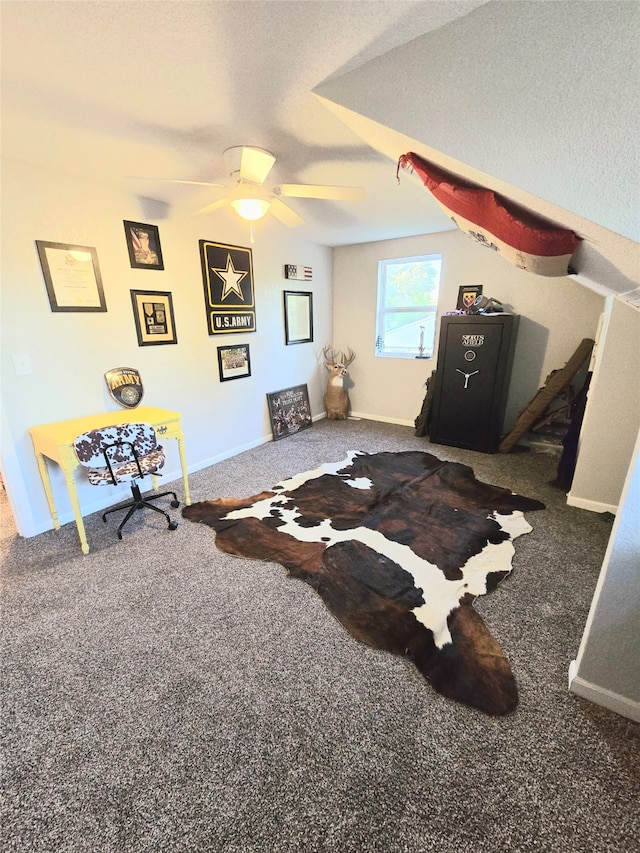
{"points": [[467, 295], [289, 411], [153, 313], [234, 362], [72, 276], [298, 317], [143, 243]]}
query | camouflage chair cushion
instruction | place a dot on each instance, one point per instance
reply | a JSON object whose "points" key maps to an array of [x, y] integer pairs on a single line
{"points": [[122, 443]]}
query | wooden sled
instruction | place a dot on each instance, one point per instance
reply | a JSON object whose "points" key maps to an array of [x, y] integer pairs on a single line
{"points": [[555, 384]]}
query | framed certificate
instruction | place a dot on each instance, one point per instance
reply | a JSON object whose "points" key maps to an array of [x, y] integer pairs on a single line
{"points": [[298, 317], [72, 277]]}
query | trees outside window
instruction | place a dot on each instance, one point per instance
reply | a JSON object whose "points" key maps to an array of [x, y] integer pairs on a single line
{"points": [[407, 306]]}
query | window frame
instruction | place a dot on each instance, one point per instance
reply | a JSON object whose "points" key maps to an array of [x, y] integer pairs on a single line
{"points": [[382, 311]]}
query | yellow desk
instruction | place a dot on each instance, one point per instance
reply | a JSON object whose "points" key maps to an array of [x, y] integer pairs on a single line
{"points": [[55, 441]]}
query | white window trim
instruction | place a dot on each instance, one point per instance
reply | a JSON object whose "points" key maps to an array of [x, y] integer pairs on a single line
{"points": [[381, 311]]}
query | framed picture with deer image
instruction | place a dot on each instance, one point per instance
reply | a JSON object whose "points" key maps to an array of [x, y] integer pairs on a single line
{"points": [[289, 411], [298, 317]]}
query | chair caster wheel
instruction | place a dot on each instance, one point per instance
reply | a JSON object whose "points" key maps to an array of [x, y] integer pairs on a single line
{"points": [[175, 504], [173, 525]]}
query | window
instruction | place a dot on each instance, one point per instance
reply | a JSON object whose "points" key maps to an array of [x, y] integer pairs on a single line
{"points": [[407, 306]]}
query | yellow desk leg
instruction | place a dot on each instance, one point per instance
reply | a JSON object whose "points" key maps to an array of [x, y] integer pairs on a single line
{"points": [[46, 482], [185, 478], [75, 505]]}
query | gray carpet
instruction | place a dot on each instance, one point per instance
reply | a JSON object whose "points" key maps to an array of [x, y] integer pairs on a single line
{"points": [[159, 695]]}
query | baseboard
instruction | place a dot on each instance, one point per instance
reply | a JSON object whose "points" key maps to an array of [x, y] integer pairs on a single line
{"points": [[220, 457], [105, 501], [381, 419], [601, 696], [592, 506], [168, 478], [108, 498]]}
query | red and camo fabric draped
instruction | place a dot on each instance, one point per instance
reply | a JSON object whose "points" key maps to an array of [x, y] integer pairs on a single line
{"points": [[525, 240], [120, 442]]}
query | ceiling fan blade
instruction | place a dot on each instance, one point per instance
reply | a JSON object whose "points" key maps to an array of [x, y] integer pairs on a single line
{"points": [[173, 181], [324, 192], [209, 208], [255, 164], [285, 214], [248, 163]]}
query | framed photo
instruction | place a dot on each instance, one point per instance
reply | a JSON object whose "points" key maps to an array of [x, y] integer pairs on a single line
{"points": [[467, 295], [72, 276], [289, 411], [143, 243], [153, 313], [234, 362], [298, 317]]}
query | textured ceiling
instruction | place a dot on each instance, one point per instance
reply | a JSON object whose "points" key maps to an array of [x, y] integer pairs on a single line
{"points": [[337, 90], [111, 90]]}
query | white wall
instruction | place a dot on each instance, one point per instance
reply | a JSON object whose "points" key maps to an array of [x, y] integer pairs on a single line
{"points": [[606, 669], [612, 415], [555, 315], [70, 352]]}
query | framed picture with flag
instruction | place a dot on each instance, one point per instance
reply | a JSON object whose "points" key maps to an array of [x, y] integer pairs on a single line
{"points": [[143, 243]]}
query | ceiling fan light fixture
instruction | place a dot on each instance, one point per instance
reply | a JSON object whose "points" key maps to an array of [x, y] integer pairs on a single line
{"points": [[250, 208]]}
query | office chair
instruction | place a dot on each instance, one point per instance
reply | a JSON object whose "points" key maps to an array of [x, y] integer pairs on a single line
{"points": [[122, 453]]}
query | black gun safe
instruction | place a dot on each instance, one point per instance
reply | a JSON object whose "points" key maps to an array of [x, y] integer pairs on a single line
{"points": [[475, 356]]}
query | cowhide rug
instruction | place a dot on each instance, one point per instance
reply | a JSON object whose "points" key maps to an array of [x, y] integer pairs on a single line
{"points": [[398, 545]]}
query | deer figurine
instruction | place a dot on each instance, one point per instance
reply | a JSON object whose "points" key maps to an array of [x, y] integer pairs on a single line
{"points": [[336, 399]]}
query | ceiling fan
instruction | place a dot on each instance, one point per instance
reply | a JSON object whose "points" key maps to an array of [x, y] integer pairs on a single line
{"points": [[248, 169]]}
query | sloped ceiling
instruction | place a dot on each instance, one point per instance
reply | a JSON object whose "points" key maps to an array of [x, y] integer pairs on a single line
{"points": [[536, 100], [544, 96]]}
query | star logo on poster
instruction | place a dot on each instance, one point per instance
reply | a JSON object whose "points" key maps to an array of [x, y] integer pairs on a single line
{"points": [[231, 278]]}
